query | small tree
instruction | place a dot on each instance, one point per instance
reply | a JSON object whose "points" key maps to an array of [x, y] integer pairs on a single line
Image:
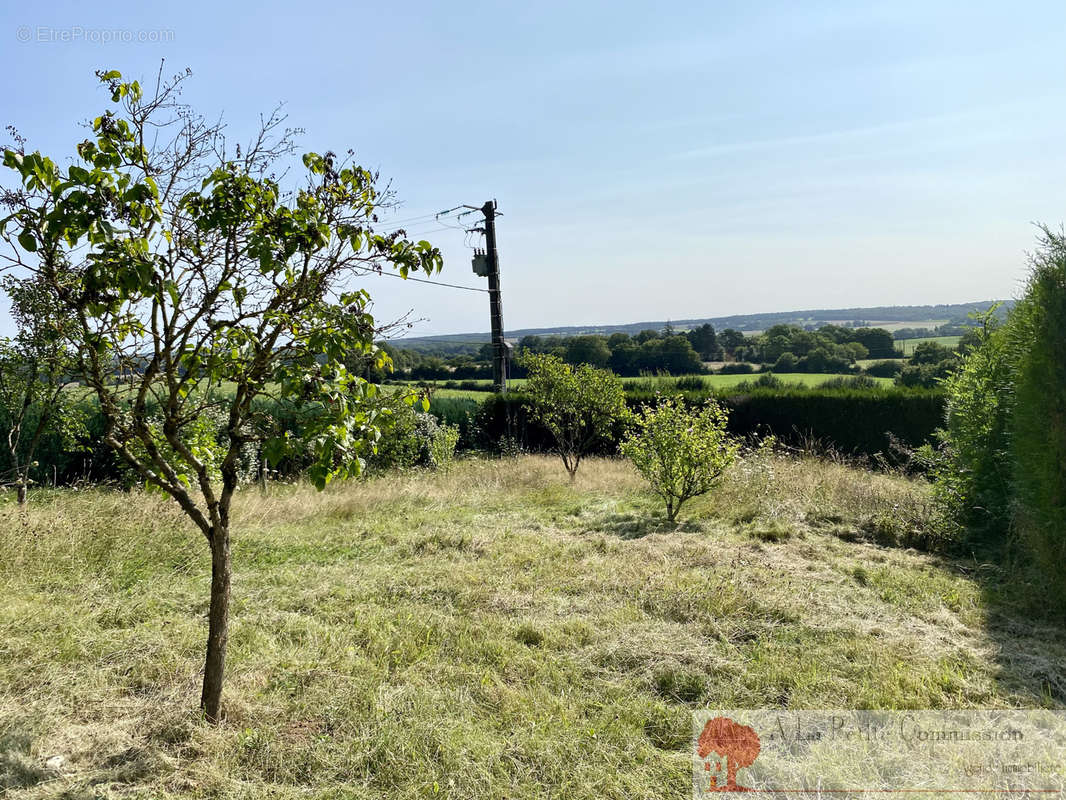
{"points": [[200, 286], [35, 366], [578, 405], [681, 453]]}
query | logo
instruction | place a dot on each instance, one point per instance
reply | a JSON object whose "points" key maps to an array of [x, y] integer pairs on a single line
{"points": [[725, 747]]}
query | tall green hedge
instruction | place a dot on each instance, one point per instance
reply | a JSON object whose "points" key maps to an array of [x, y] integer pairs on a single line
{"points": [[1036, 335], [851, 422]]}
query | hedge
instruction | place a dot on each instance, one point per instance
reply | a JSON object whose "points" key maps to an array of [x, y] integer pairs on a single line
{"points": [[851, 422]]}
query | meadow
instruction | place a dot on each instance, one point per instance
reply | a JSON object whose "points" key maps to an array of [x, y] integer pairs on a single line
{"points": [[492, 631], [662, 383], [908, 345]]}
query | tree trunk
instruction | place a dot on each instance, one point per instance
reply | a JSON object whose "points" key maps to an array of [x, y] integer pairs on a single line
{"points": [[218, 626], [22, 494]]}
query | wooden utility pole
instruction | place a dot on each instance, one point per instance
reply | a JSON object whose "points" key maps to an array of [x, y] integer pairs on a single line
{"points": [[499, 346]]}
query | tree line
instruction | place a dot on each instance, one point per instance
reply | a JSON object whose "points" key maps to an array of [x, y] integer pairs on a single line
{"points": [[783, 348]]}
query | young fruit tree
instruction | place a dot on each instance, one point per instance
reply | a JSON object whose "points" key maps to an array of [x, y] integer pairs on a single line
{"points": [[680, 452], [203, 288], [35, 366], [578, 405]]}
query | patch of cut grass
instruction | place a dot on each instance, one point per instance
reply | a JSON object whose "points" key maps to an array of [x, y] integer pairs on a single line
{"points": [[492, 632]]}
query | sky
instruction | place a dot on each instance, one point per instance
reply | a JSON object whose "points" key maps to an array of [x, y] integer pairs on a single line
{"points": [[650, 161]]}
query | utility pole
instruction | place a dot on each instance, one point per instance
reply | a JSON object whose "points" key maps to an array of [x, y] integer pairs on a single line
{"points": [[491, 269]]}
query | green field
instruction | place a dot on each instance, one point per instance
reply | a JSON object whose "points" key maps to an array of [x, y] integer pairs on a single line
{"points": [[908, 345], [664, 383], [491, 632]]}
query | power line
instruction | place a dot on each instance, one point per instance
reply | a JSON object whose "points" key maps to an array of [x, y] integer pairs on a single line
{"points": [[417, 339], [423, 280]]}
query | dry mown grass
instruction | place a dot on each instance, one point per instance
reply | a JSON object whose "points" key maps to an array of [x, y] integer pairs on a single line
{"points": [[489, 632]]}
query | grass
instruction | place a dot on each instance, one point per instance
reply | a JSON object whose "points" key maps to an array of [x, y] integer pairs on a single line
{"points": [[908, 345], [490, 632], [667, 383]]}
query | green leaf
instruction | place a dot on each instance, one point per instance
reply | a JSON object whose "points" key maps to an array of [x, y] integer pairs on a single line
{"points": [[27, 240]]}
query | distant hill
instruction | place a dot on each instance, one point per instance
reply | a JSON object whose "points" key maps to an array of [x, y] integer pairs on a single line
{"points": [[890, 317]]}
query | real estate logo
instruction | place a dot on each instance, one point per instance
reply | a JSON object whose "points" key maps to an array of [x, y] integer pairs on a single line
{"points": [[879, 753], [725, 743]]}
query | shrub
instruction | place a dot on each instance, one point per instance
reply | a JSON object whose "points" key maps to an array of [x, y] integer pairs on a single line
{"points": [[690, 383], [414, 439], [738, 368], [441, 441], [861, 382], [969, 469], [885, 369], [682, 453], [768, 381], [926, 376], [931, 353]]}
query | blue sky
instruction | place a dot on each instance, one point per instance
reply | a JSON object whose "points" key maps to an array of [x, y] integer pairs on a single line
{"points": [[651, 161]]}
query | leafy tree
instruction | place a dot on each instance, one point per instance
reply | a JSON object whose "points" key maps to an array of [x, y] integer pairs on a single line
{"points": [[931, 353], [646, 335], [591, 350], [578, 405], [786, 362], [704, 341], [730, 340], [672, 354], [877, 341], [970, 340], [971, 471], [682, 453], [625, 358], [200, 284], [35, 366]]}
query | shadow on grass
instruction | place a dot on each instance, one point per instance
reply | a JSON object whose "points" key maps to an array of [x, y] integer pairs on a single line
{"points": [[1028, 633], [1025, 634], [18, 769], [637, 525]]}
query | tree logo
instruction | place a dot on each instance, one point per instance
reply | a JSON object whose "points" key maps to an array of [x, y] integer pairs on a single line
{"points": [[737, 744]]}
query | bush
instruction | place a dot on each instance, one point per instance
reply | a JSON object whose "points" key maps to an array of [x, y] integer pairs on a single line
{"points": [[885, 369], [861, 382], [680, 452], [738, 368], [969, 470], [414, 438], [690, 383], [931, 353], [926, 376]]}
